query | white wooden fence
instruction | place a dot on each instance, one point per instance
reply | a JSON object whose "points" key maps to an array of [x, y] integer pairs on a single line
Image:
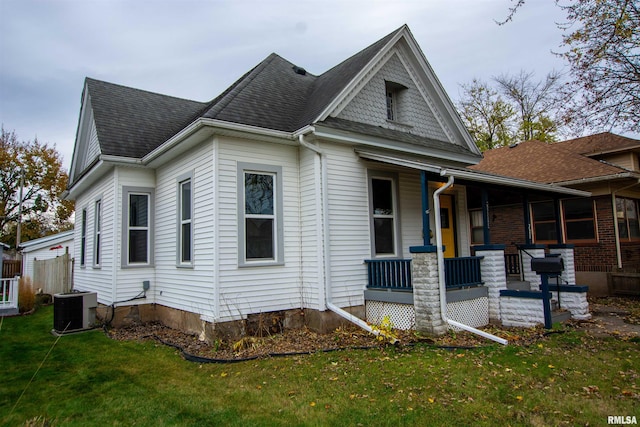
{"points": [[9, 293], [53, 276]]}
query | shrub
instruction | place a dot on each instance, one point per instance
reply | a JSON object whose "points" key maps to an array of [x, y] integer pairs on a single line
{"points": [[26, 295]]}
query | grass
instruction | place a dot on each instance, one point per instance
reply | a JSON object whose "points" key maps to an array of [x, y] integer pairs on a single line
{"points": [[87, 379]]}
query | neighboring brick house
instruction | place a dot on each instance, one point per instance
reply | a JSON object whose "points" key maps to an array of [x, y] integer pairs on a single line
{"points": [[605, 164]]}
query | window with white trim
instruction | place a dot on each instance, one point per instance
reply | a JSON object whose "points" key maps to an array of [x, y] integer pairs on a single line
{"points": [[97, 230], [384, 215], [137, 227], [185, 226], [260, 213], [83, 238]]}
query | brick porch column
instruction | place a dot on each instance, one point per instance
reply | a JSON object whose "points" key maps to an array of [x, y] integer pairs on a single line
{"points": [[426, 290], [537, 251], [494, 275], [568, 276]]}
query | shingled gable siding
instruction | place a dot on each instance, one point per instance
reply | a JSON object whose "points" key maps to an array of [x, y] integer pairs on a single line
{"points": [[369, 105], [129, 280], [87, 278], [257, 289], [189, 289]]}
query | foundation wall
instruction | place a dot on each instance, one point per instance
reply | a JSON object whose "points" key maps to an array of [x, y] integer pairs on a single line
{"points": [[255, 325]]}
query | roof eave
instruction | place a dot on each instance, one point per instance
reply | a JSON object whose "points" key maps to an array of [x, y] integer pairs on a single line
{"points": [[377, 142], [595, 179]]}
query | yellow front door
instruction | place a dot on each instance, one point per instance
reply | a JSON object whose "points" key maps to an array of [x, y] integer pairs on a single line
{"points": [[448, 225]]}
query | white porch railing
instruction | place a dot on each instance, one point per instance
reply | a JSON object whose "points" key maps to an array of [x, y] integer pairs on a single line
{"points": [[9, 293]]}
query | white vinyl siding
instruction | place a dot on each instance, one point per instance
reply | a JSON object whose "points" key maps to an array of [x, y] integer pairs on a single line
{"points": [[311, 226], [98, 280], [260, 288], [189, 289]]}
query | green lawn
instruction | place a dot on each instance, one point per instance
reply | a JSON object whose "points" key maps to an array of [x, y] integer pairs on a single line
{"points": [[88, 379]]}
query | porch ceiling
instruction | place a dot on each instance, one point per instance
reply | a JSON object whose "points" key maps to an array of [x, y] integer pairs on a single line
{"points": [[467, 175]]}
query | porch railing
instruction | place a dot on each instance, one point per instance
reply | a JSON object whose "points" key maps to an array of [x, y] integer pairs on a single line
{"points": [[462, 272], [389, 274], [9, 293], [512, 263]]}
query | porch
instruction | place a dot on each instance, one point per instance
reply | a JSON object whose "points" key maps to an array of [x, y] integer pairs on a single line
{"points": [[478, 288], [413, 291], [9, 296]]}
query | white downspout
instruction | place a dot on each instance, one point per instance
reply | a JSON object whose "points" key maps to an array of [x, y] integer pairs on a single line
{"points": [[441, 278], [325, 244]]}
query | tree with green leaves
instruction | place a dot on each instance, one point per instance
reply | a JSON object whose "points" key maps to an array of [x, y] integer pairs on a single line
{"points": [[517, 108], [488, 117], [33, 170]]}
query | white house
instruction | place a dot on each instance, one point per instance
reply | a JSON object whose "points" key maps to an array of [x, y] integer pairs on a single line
{"points": [[47, 247], [288, 193]]}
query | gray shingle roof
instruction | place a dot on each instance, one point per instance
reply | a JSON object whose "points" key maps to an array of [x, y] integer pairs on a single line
{"points": [[273, 95], [132, 122], [395, 135]]}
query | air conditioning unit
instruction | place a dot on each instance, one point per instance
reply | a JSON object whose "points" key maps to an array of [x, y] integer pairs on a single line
{"points": [[74, 311]]}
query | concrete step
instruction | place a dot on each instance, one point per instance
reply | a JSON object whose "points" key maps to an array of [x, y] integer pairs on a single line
{"points": [[518, 285], [559, 316]]}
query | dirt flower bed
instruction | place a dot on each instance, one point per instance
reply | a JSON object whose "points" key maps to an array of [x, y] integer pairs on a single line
{"points": [[303, 341], [617, 317]]}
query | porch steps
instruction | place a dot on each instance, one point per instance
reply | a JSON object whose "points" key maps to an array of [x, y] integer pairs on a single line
{"points": [[518, 285]]}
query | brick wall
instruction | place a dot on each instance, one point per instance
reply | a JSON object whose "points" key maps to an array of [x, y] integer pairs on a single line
{"points": [[600, 256], [507, 227]]}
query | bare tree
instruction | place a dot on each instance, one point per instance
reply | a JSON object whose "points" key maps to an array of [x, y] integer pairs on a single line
{"points": [[536, 103], [601, 44]]}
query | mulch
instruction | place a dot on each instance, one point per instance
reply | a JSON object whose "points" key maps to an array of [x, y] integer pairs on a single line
{"points": [[617, 317]]}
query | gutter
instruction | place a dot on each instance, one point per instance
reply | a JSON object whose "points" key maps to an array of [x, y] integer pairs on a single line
{"points": [[441, 278], [324, 250]]}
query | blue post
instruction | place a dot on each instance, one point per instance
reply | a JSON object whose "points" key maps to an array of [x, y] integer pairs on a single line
{"points": [[486, 235], [426, 228], [546, 303]]}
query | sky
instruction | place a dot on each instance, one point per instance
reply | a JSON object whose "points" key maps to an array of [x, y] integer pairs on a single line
{"points": [[195, 49]]}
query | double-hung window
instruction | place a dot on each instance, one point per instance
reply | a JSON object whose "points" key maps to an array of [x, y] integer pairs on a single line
{"points": [[185, 221], [97, 229], [384, 214], [579, 220], [628, 216], [137, 226], [543, 216], [260, 213], [83, 238]]}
